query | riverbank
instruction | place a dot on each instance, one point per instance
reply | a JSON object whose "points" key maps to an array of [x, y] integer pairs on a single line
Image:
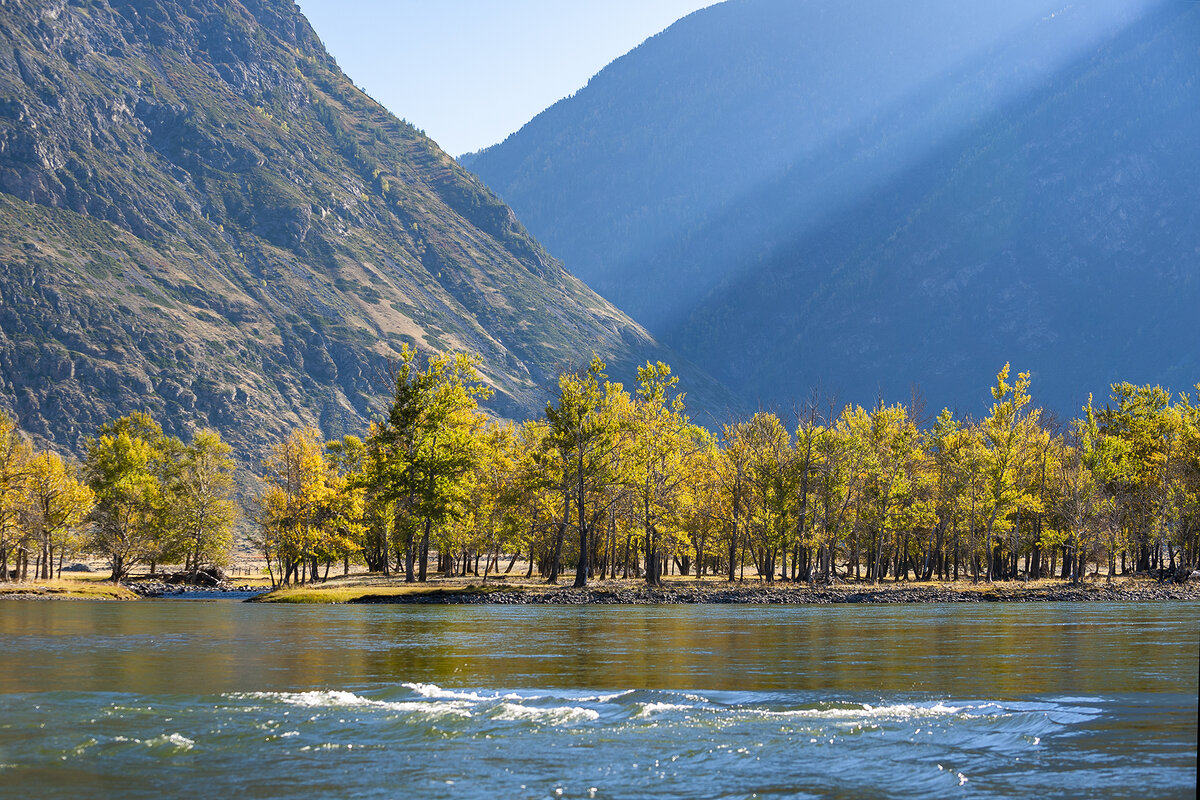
{"points": [[376, 590], [156, 589], [95, 586], [66, 589]]}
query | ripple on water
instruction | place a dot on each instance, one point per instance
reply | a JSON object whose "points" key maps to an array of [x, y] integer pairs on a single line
{"points": [[619, 741]]}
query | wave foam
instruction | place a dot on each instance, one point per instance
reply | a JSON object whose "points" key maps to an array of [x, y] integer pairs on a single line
{"points": [[649, 709], [175, 741], [340, 699], [604, 698], [558, 715], [435, 692], [867, 711]]}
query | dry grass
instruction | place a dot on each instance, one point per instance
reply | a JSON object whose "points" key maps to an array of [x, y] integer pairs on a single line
{"points": [[84, 587]]}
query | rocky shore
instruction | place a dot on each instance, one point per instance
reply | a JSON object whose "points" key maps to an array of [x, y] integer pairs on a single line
{"points": [[162, 589], [801, 595]]}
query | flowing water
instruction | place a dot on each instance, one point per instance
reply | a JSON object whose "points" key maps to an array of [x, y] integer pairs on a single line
{"points": [[222, 699]]}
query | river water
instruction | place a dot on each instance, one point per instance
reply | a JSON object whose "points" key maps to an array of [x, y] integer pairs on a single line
{"points": [[223, 699]]}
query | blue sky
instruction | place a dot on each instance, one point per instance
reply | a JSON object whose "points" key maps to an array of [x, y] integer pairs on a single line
{"points": [[470, 72]]}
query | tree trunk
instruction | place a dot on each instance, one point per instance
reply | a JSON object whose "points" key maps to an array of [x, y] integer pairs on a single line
{"points": [[410, 556], [423, 566]]}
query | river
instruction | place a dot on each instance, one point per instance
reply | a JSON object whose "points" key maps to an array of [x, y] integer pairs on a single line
{"points": [[191, 698]]}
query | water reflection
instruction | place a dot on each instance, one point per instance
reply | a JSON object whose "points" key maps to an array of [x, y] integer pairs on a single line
{"points": [[964, 651]]}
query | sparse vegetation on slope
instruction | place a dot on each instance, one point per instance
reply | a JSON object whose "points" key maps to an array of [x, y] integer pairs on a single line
{"points": [[202, 217]]}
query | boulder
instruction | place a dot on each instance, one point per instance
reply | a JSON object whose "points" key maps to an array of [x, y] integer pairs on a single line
{"points": [[1185, 575], [209, 576]]}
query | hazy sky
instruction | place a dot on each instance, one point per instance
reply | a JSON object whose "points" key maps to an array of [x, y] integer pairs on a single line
{"points": [[470, 72]]}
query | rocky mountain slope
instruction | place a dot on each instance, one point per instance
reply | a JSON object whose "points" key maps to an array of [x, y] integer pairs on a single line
{"points": [[865, 195], [201, 216]]}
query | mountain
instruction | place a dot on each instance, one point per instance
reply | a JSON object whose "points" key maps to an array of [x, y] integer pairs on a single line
{"points": [[859, 195], [201, 216]]}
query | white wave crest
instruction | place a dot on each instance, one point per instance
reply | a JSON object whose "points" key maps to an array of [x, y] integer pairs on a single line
{"points": [[866, 711], [176, 741], [603, 698], [433, 691], [453, 709], [339, 699], [650, 709], [558, 715]]}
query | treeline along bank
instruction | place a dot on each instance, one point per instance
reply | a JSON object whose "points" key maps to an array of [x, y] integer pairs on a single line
{"points": [[613, 483]]}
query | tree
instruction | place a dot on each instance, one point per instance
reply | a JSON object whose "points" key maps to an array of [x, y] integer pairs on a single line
{"points": [[15, 457], [537, 490], [583, 438], [1081, 498], [426, 447], [58, 503], [702, 510], [293, 504], [770, 483], [202, 500], [355, 525], [1002, 433], [734, 472], [123, 468], [499, 522], [893, 472], [956, 464], [1188, 501], [1149, 447], [660, 442]]}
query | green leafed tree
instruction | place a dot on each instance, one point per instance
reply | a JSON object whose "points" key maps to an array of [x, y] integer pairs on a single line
{"points": [[582, 437], [425, 449], [1004, 433], [202, 504], [123, 469]]}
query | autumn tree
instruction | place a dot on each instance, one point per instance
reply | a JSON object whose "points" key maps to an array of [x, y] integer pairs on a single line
{"points": [[701, 504], [293, 504], [15, 457], [1002, 431], [426, 446], [124, 469], [202, 500], [582, 438], [769, 479], [1149, 435], [734, 474], [57, 505], [659, 443]]}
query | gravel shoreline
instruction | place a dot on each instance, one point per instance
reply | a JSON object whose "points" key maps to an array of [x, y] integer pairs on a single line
{"points": [[158, 589], [793, 595]]}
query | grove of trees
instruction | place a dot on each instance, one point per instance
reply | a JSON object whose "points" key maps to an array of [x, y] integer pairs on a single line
{"points": [[140, 497], [611, 483]]}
